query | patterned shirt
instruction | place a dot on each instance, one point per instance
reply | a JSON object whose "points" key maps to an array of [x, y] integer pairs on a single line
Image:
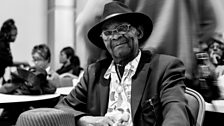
{"points": [[119, 104]]}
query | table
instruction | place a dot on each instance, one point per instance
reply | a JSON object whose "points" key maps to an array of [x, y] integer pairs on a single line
{"points": [[16, 104], [215, 106], [10, 99], [64, 90], [214, 113]]}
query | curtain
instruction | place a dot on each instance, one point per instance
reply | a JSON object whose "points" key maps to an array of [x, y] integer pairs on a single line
{"points": [[179, 25]]}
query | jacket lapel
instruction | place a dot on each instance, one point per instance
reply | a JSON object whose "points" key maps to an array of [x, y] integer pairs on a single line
{"points": [[139, 81], [104, 93]]}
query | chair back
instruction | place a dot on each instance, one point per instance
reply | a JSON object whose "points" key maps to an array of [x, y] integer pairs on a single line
{"points": [[66, 80], [197, 105], [45, 117], [68, 75]]}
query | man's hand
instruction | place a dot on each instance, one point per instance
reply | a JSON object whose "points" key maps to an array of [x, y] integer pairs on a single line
{"points": [[220, 70], [96, 121], [215, 58]]}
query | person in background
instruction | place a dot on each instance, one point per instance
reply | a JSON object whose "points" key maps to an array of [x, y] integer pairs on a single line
{"points": [[8, 34], [216, 56], [44, 76], [211, 67], [41, 58], [131, 87], [70, 62], [215, 50]]}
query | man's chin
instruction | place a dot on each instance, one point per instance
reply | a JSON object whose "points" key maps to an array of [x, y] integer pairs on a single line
{"points": [[122, 53]]}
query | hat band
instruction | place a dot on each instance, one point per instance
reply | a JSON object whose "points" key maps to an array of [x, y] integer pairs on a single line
{"points": [[112, 15]]}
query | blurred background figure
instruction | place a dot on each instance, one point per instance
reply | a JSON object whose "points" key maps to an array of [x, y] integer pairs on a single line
{"points": [[215, 50], [70, 62], [42, 57], [8, 34], [210, 67], [205, 80]]}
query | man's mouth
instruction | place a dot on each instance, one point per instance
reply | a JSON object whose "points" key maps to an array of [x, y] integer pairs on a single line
{"points": [[119, 43]]}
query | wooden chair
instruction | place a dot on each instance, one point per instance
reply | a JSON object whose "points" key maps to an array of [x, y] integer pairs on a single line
{"points": [[197, 105]]}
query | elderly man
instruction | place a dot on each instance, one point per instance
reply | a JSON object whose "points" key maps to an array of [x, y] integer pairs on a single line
{"points": [[130, 87]]}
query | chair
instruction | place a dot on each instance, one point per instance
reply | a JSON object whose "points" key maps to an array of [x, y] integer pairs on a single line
{"points": [[197, 105], [66, 79], [68, 75], [45, 117]]}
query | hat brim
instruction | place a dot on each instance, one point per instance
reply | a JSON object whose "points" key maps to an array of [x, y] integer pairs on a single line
{"points": [[135, 19]]}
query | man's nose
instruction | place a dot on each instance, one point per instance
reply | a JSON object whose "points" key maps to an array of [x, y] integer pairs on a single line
{"points": [[215, 48]]}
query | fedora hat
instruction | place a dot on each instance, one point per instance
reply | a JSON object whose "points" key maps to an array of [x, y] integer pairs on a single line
{"points": [[119, 11], [218, 37]]}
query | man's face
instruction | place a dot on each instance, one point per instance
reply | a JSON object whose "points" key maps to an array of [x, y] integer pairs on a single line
{"points": [[216, 49], [121, 40]]}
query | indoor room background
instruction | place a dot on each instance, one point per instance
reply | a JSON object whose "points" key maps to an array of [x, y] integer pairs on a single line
{"points": [[41, 21]]}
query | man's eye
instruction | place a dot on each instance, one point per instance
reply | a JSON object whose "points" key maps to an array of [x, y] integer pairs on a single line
{"points": [[122, 29], [107, 33]]}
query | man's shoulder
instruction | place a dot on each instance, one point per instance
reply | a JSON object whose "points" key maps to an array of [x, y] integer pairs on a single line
{"points": [[163, 59], [158, 56], [167, 60], [167, 57]]}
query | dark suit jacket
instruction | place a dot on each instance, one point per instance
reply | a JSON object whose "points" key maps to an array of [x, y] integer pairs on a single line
{"points": [[157, 95]]}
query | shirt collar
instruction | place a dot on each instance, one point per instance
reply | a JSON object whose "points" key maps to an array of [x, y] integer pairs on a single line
{"points": [[48, 69], [132, 65]]}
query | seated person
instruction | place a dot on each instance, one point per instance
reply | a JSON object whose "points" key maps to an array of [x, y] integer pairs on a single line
{"points": [[41, 57], [70, 62], [28, 82], [132, 86], [215, 51], [216, 57], [211, 68]]}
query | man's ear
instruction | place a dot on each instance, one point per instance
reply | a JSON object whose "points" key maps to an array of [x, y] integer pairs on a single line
{"points": [[140, 32]]}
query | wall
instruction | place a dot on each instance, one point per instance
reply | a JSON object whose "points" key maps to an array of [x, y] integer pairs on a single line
{"points": [[31, 19], [42, 21], [61, 27]]}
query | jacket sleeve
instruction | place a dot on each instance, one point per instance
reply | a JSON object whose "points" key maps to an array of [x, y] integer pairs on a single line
{"points": [[76, 101], [176, 111]]}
